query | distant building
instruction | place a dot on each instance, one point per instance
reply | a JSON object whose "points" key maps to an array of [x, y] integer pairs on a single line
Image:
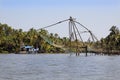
{"points": [[28, 49]]}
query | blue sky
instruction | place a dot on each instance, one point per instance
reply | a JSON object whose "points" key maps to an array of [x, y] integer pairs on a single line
{"points": [[58, 3], [97, 15]]}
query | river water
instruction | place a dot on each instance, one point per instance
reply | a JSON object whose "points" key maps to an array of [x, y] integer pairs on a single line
{"points": [[58, 67]]}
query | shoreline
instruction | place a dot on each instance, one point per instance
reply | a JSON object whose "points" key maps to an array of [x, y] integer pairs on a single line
{"points": [[91, 53]]}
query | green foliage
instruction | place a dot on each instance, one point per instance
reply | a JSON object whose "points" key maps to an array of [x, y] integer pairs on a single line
{"points": [[111, 42], [11, 40]]}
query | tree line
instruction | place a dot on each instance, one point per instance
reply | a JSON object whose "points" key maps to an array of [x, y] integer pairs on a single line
{"points": [[111, 43], [12, 39]]}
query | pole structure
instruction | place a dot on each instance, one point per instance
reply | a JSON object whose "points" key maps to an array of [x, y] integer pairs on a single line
{"points": [[70, 34], [73, 33]]}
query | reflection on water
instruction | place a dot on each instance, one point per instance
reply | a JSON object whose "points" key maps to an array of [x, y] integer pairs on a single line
{"points": [[58, 67]]}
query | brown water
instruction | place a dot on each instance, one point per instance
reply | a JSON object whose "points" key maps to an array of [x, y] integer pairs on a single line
{"points": [[58, 67]]}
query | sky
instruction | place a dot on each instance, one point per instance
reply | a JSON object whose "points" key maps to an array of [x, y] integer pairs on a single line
{"points": [[97, 15]]}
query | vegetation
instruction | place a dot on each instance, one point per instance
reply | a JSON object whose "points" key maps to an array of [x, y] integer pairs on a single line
{"points": [[12, 39], [111, 43]]}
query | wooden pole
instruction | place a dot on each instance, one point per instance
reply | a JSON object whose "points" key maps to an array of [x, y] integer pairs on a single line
{"points": [[86, 50]]}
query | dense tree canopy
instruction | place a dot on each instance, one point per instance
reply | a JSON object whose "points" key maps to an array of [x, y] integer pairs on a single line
{"points": [[111, 43], [12, 39]]}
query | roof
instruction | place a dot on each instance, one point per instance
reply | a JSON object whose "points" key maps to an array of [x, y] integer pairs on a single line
{"points": [[28, 46]]}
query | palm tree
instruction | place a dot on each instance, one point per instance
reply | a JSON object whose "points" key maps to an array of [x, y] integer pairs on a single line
{"points": [[114, 30]]}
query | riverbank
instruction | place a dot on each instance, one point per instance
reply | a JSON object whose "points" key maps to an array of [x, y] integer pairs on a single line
{"points": [[89, 53]]}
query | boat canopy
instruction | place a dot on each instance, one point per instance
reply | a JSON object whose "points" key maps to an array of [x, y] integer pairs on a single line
{"points": [[28, 47]]}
